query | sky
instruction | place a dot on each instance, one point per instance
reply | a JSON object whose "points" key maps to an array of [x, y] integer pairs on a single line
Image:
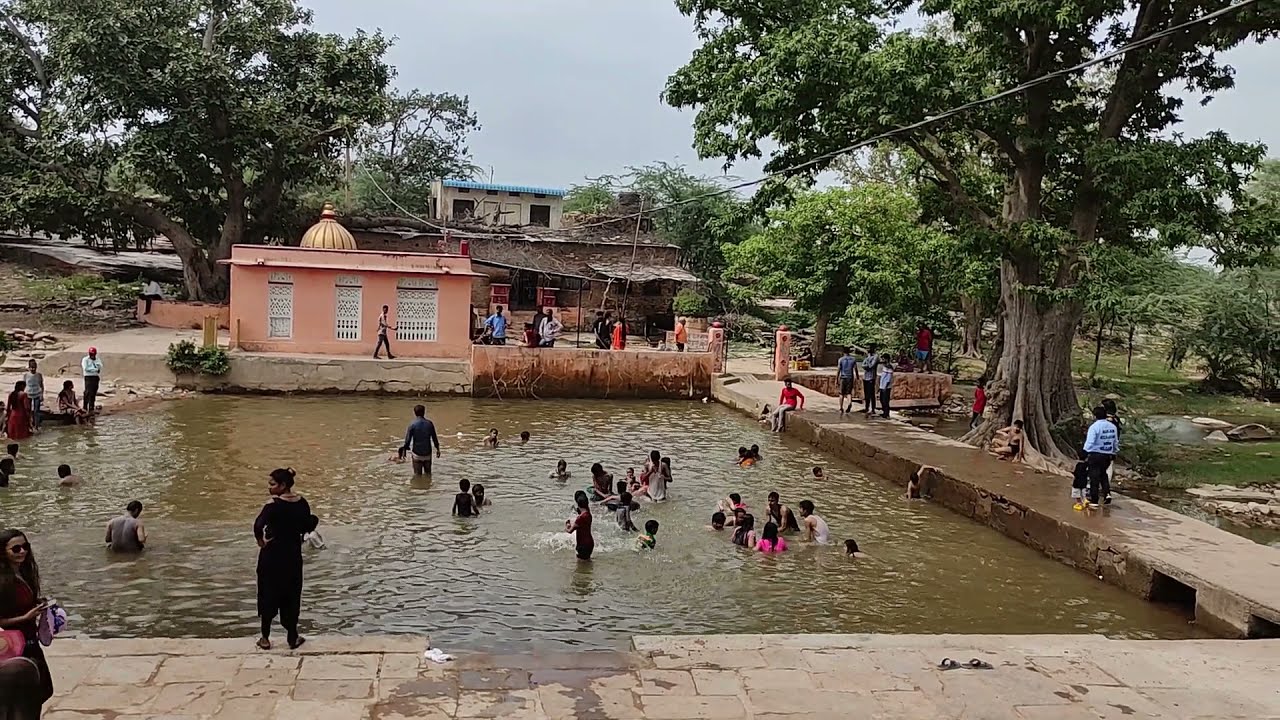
{"points": [[568, 89]]}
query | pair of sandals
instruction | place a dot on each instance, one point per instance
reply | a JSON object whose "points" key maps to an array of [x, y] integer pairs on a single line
{"points": [[974, 664], [265, 644]]}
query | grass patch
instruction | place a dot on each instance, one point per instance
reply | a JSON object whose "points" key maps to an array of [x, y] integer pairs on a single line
{"points": [[1222, 464], [79, 287]]}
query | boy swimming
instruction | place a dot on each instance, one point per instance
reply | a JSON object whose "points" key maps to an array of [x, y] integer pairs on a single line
{"points": [[717, 520], [524, 437], [648, 540], [478, 498], [851, 549], [744, 457], [491, 440], [622, 513], [561, 472], [463, 505]]}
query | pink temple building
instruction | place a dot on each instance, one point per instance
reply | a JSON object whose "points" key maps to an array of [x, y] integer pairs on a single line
{"points": [[324, 297]]}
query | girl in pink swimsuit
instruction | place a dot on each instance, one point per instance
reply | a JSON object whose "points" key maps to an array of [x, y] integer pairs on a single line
{"points": [[769, 540]]}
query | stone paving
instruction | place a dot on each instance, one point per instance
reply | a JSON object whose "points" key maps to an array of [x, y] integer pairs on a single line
{"points": [[1036, 677]]}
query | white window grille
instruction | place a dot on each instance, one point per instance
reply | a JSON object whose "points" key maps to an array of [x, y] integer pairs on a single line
{"points": [[347, 310], [417, 307], [280, 305]]}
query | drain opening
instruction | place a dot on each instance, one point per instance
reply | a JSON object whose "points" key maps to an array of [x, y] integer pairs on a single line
{"points": [[1261, 628], [1176, 594]]}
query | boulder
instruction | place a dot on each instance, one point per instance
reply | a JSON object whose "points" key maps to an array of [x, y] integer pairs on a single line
{"points": [[1210, 422], [1175, 391], [1217, 436], [1250, 431]]}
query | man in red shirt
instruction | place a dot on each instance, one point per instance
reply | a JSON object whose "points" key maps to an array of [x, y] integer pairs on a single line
{"points": [[790, 400], [924, 347]]}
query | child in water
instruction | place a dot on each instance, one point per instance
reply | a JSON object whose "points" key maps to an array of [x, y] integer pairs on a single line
{"points": [[717, 520], [491, 440], [622, 513], [851, 549], [818, 474], [754, 453], [524, 437], [65, 477], [478, 498], [462, 503], [744, 457], [561, 472], [769, 540], [649, 539]]}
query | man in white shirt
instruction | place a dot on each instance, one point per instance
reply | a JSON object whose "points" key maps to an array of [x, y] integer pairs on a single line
{"points": [[151, 293], [550, 330], [886, 387], [91, 368]]}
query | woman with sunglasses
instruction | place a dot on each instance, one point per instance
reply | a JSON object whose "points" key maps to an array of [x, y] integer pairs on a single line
{"points": [[20, 601]]}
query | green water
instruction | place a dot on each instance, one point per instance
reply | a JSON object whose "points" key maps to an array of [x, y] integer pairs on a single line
{"points": [[508, 580]]}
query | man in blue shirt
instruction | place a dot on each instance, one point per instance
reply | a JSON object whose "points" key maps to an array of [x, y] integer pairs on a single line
{"points": [[497, 326], [845, 368], [418, 440], [1101, 444]]}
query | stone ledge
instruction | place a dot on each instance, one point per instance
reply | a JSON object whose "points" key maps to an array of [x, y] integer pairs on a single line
{"points": [[182, 647]]}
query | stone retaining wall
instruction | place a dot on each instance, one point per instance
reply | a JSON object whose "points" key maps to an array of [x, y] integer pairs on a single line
{"points": [[511, 371], [910, 390], [182, 315]]}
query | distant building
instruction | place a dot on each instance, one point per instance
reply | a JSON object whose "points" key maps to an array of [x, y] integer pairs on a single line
{"points": [[465, 201]]}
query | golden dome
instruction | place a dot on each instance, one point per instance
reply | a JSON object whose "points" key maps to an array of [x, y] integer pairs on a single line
{"points": [[328, 234]]}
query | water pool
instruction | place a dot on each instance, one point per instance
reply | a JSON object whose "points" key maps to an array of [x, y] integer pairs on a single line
{"points": [[398, 563]]}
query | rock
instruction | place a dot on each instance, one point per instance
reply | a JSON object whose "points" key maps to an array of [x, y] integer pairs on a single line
{"points": [[1111, 396], [1210, 422], [1217, 436], [1263, 454], [1150, 397], [1250, 431], [97, 303], [1175, 391], [1231, 492], [43, 337]]}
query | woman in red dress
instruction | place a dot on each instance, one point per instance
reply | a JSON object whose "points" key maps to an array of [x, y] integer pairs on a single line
{"points": [[21, 604], [17, 421]]}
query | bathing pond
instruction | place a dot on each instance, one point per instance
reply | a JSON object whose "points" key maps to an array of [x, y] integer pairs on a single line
{"points": [[397, 563]]}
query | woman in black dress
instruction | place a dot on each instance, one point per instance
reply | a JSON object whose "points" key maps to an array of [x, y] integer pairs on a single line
{"points": [[20, 608], [279, 530]]}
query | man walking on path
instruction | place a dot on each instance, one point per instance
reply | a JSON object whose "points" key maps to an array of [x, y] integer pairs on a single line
{"points": [[1102, 442], [846, 366], [869, 364], [418, 440], [91, 367], [497, 326], [383, 327]]}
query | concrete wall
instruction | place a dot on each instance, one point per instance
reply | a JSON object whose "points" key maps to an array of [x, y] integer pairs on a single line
{"points": [[499, 371], [183, 315], [910, 390], [314, 275]]}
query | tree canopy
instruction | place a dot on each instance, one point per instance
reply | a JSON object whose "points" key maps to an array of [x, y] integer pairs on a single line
{"points": [[189, 119], [1081, 159]]}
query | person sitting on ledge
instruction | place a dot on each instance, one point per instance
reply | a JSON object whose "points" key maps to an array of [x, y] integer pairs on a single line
{"points": [[1009, 443], [69, 404], [790, 400]]}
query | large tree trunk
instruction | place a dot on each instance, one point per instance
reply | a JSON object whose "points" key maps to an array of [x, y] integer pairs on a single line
{"points": [[205, 279], [820, 335], [1032, 379], [972, 346]]}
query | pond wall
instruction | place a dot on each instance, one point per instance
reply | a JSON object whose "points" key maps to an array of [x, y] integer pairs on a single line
{"points": [[511, 371], [182, 315]]}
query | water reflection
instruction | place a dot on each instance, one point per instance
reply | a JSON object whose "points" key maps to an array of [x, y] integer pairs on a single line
{"points": [[398, 563]]}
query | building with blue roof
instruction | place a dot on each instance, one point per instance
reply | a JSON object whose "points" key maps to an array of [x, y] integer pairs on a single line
{"points": [[487, 203]]}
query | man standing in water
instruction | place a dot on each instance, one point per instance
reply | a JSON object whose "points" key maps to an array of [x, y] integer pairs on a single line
{"points": [[91, 366], [125, 534], [383, 327], [418, 440], [814, 527]]}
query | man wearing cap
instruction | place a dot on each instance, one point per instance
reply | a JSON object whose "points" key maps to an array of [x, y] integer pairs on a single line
{"points": [[92, 369]]}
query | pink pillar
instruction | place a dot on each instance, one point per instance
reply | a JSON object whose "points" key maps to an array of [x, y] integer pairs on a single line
{"points": [[716, 346], [782, 354]]}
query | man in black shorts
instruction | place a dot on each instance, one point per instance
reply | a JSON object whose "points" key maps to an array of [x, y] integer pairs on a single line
{"points": [[846, 367]]}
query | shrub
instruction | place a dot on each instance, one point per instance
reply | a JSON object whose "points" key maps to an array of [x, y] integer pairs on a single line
{"points": [[186, 358], [1141, 447], [691, 302]]}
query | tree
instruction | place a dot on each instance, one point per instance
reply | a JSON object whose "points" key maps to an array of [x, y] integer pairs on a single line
{"points": [[1237, 333], [1082, 159], [838, 247], [424, 138], [594, 196], [189, 119]]}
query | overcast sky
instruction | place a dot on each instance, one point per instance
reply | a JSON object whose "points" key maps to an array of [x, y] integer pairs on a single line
{"points": [[567, 89]]}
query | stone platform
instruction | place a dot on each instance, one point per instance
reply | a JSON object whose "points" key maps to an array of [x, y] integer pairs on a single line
{"points": [[766, 677], [1230, 583], [910, 389]]}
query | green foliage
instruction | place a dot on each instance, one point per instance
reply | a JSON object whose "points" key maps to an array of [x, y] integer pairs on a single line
{"points": [[424, 138], [1041, 176], [6, 343], [1141, 448], [691, 303], [186, 358], [1236, 336], [191, 119], [593, 197], [76, 287]]}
